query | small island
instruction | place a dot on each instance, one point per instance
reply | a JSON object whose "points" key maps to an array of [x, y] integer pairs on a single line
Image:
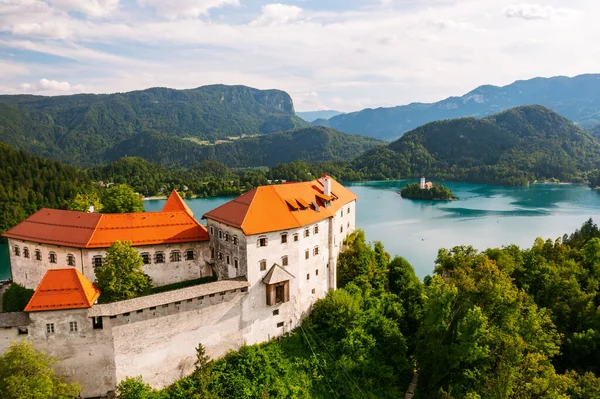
{"points": [[427, 191]]}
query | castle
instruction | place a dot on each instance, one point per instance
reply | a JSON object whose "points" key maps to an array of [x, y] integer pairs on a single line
{"points": [[273, 249]]}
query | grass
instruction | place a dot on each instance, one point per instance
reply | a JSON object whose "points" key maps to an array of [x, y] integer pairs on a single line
{"points": [[181, 284]]}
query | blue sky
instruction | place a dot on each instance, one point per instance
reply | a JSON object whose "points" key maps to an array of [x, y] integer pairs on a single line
{"points": [[328, 54]]}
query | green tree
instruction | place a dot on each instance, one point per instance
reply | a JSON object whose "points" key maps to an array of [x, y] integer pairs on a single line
{"points": [[121, 199], [26, 373], [83, 202], [15, 298], [135, 388], [121, 276]]}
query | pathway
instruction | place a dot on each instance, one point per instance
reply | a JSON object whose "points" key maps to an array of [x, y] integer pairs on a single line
{"points": [[410, 392]]}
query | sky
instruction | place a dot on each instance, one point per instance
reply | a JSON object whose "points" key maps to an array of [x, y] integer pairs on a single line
{"points": [[327, 54]]}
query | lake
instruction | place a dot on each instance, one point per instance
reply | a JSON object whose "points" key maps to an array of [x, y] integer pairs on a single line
{"points": [[483, 216]]}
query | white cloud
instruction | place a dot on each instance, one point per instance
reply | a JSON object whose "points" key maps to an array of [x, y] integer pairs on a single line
{"points": [[93, 8], [54, 30], [174, 9], [53, 86], [11, 69], [530, 11], [277, 14]]}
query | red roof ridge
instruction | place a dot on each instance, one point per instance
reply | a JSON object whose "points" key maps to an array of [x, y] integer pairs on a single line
{"points": [[176, 204], [86, 245]]}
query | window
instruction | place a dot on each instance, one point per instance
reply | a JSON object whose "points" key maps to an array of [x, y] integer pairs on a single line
{"points": [[212, 253], [50, 328], [284, 238], [341, 228], [306, 254], [212, 230], [295, 237], [308, 276], [306, 233], [97, 323], [348, 210], [315, 251], [342, 213], [278, 293], [263, 265], [175, 256], [189, 254], [70, 260], [52, 257], [220, 235], [146, 258], [280, 324], [72, 326], [348, 225], [228, 261], [26, 252], [263, 241], [313, 291], [220, 255], [38, 254], [276, 312], [17, 251], [235, 263], [284, 260], [97, 260], [316, 229], [235, 240], [227, 237], [317, 272], [159, 257]]}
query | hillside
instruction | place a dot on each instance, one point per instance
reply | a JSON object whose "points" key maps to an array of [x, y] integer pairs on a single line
{"points": [[30, 183], [512, 147], [311, 116], [79, 129], [595, 131], [577, 99], [313, 144]]}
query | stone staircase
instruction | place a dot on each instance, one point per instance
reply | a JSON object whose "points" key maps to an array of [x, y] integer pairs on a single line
{"points": [[410, 392]]}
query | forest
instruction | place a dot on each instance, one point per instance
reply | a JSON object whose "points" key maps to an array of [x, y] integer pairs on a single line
{"points": [[437, 192], [505, 322]]}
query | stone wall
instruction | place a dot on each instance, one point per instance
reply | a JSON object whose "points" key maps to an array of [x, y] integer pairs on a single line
{"points": [[230, 243]]}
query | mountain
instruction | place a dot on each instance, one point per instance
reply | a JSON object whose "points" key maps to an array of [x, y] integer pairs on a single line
{"points": [[511, 147], [78, 129], [595, 131], [311, 116], [313, 144], [577, 99]]}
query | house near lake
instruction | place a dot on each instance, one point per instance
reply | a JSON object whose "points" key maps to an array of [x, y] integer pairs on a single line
{"points": [[274, 250]]}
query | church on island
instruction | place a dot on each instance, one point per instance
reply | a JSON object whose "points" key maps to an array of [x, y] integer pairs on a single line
{"points": [[273, 251]]}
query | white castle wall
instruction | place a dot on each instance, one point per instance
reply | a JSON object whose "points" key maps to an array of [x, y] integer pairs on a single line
{"points": [[29, 271]]}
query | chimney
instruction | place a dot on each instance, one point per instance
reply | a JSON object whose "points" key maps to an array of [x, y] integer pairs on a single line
{"points": [[326, 185]]}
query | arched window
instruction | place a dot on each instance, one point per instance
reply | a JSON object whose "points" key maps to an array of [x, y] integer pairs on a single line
{"points": [[17, 250], [52, 257], [38, 254], [175, 256], [26, 252], [70, 260]]}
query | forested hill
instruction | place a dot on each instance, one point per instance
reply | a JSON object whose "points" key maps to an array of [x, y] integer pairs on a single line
{"points": [[595, 131], [28, 183], [513, 147], [577, 99], [313, 144], [78, 129]]}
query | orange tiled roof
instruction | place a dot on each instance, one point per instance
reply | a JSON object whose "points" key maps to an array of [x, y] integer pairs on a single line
{"points": [[92, 230], [281, 207], [176, 204], [63, 289]]}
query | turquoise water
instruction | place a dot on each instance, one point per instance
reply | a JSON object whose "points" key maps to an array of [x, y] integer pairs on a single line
{"points": [[4, 263], [483, 216]]}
